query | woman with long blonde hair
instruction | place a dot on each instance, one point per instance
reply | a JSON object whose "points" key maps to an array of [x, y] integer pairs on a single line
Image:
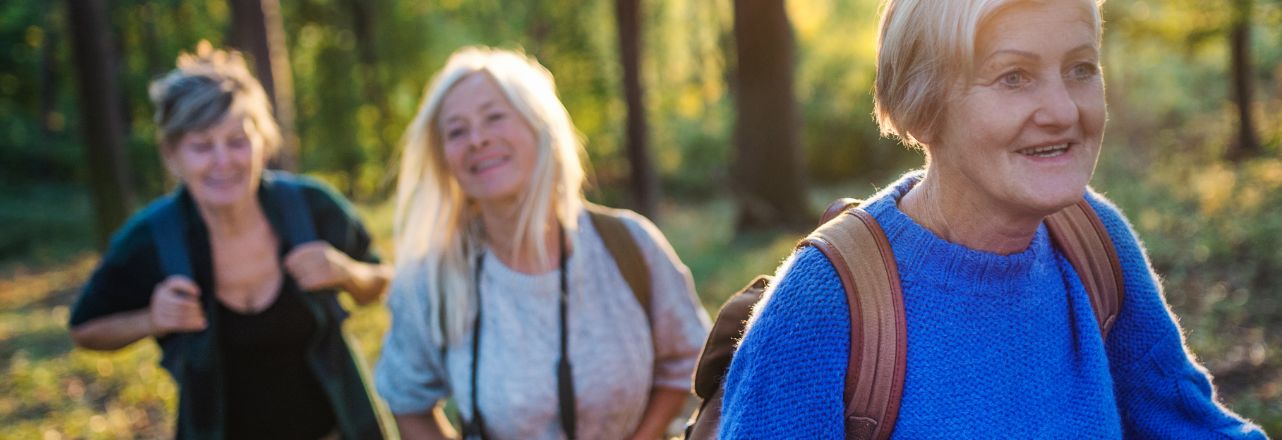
{"points": [[508, 297]]}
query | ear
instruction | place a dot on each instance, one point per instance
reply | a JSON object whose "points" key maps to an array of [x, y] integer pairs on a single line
{"points": [[167, 155], [923, 137]]}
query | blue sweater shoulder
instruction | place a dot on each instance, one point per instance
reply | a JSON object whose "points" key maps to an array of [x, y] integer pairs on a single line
{"points": [[802, 327], [1161, 391]]}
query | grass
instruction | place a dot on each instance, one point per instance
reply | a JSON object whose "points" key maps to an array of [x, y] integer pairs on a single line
{"points": [[1212, 232]]}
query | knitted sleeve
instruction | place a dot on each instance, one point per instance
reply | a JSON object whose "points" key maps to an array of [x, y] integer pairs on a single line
{"points": [[788, 375], [1161, 391], [410, 374]]}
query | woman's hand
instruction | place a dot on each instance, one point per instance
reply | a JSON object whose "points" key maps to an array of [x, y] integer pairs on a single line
{"points": [[317, 265], [175, 307]]}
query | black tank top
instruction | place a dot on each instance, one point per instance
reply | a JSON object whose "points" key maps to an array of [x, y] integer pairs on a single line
{"points": [[271, 392]]}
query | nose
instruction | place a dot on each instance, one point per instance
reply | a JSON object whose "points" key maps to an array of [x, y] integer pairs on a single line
{"points": [[222, 152], [1057, 108], [479, 137]]}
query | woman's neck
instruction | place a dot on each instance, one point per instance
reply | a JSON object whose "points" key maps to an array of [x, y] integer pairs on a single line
{"points": [[233, 220], [502, 221], [947, 205]]}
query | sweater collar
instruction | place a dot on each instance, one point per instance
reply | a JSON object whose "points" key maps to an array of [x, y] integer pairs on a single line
{"points": [[921, 252]]}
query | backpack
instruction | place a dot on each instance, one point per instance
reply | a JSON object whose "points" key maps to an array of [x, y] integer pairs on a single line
{"points": [[623, 247], [192, 358], [858, 249]]}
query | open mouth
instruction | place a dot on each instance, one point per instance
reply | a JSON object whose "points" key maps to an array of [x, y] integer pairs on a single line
{"points": [[488, 164], [1045, 151]]}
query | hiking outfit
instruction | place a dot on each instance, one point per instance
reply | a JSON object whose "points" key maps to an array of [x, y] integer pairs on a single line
{"points": [[1004, 345], [283, 372], [619, 351]]}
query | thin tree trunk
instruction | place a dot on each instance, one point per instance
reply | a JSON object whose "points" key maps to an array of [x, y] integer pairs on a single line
{"points": [[364, 23], [257, 28], [1247, 144], [767, 169], [644, 184], [49, 78], [104, 138]]}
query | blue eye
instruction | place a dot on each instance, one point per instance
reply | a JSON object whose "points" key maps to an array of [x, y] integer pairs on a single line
{"points": [[1014, 79], [454, 133], [1084, 71]]}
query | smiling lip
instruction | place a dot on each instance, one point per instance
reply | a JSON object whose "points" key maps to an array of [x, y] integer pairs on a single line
{"points": [[1047, 151], [483, 165], [222, 182]]}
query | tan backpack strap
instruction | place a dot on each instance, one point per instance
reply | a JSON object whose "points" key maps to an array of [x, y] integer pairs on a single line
{"points": [[1080, 235], [861, 254], [623, 247]]}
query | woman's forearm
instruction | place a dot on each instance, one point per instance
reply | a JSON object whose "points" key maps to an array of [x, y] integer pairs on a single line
{"points": [[664, 404], [113, 332], [431, 425], [367, 281]]}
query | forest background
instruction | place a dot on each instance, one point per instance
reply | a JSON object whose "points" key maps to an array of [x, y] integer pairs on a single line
{"points": [[731, 123]]}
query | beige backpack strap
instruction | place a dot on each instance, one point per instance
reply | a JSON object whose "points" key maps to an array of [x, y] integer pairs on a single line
{"points": [[861, 254], [623, 247], [1078, 233]]}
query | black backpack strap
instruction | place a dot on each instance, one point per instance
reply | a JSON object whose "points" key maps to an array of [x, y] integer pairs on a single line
{"points": [[295, 215], [861, 254], [623, 247], [168, 226], [1079, 234]]}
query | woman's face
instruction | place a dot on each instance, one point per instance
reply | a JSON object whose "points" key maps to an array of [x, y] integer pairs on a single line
{"points": [[220, 165], [489, 147], [1025, 133]]}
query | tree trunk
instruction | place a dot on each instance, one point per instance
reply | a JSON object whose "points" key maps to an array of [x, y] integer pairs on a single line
{"points": [[364, 25], [644, 185], [104, 138], [257, 29], [1247, 144], [49, 79], [767, 167]]}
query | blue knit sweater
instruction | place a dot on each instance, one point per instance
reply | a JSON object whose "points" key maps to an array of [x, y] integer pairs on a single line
{"points": [[998, 346]]}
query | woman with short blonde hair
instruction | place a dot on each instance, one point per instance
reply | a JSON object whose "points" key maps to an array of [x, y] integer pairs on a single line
{"points": [[508, 297], [1006, 99]]}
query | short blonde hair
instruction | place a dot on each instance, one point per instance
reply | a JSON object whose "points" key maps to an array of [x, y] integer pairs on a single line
{"points": [[436, 226], [923, 48], [205, 87]]}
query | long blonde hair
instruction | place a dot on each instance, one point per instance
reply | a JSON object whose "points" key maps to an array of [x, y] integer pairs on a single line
{"points": [[437, 228]]}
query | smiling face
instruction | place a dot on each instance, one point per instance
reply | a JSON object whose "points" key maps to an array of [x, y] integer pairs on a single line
{"points": [[489, 147], [1024, 134], [219, 165]]}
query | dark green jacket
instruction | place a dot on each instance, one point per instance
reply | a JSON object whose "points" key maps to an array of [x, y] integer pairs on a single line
{"points": [[131, 268]]}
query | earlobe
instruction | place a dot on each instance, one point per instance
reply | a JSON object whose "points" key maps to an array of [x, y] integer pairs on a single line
{"points": [[922, 137], [167, 157]]}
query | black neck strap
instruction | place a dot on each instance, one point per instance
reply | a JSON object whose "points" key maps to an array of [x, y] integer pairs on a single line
{"points": [[475, 428]]}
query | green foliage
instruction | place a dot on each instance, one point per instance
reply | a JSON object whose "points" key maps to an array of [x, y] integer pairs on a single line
{"points": [[1212, 228]]}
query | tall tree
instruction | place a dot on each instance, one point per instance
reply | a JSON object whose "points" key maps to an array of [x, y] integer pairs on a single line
{"points": [[101, 105], [365, 20], [257, 28], [1240, 59], [644, 184], [767, 167]]}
